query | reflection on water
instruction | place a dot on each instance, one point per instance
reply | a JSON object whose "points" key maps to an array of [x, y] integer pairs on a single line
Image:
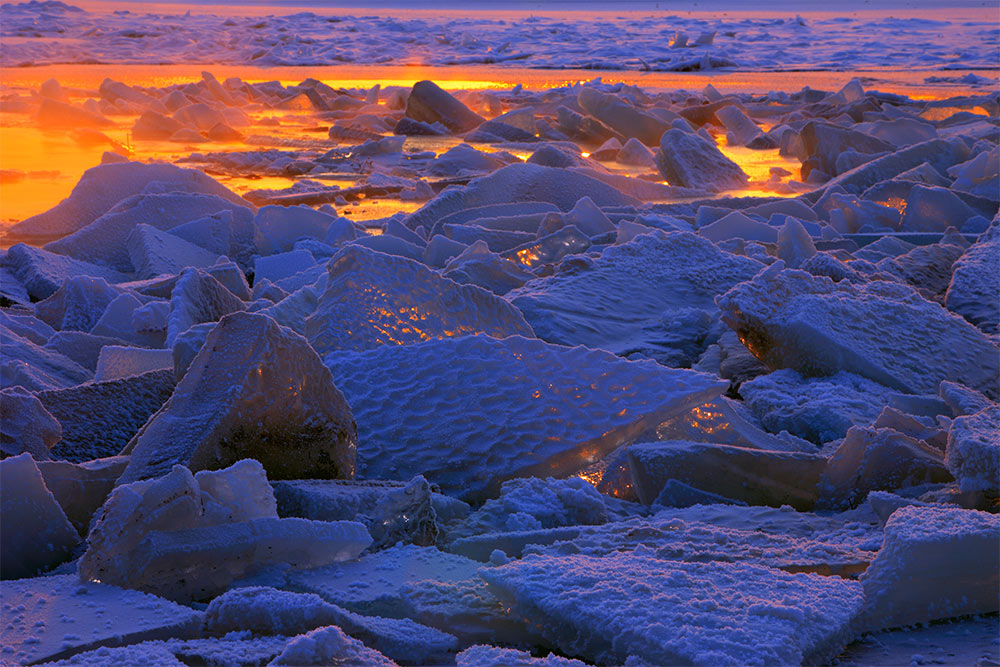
{"points": [[39, 167]]}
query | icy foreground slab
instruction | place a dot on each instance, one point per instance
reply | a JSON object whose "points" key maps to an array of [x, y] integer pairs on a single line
{"points": [[258, 390], [470, 412], [669, 613], [675, 539], [330, 646], [375, 299], [49, 618], [754, 476], [975, 283], [973, 454], [187, 537], [629, 298], [692, 161], [491, 656], [35, 534], [883, 331], [935, 562], [26, 425]]}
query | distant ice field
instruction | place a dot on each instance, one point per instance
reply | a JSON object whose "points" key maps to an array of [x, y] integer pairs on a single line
{"points": [[681, 36]]}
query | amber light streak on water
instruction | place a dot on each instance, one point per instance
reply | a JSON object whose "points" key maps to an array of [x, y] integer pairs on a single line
{"points": [[53, 160]]}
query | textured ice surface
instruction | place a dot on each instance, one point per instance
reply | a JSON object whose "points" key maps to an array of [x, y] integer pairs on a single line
{"points": [[223, 652], [935, 562], [393, 512], [26, 425], [267, 611], [49, 618], [117, 362], [878, 459], [198, 297], [818, 409], [78, 303], [258, 390], [975, 283], [754, 476], [81, 488], [35, 534], [330, 646], [883, 331], [692, 161], [99, 418], [421, 583], [279, 227], [622, 117], [627, 299], [690, 540], [605, 609], [471, 412], [154, 252], [105, 185], [373, 299], [973, 454], [520, 183], [481, 655], [34, 367]]}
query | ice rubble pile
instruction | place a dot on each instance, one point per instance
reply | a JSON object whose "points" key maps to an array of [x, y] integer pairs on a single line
{"points": [[540, 412]]}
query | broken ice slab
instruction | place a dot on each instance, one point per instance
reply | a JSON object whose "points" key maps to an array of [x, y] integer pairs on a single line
{"points": [[117, 362], [621, 116], [470, 412], [883, 331], [26, 425], [267, 611], [34, 367], [975, 283], [675, 539], [726, 422], [258, 390], [81, 488], [393, 512], [481, 655], [973, 454], [198, 297], [232, 651], [99, 418], [154, 252], [35, 534], [373, 299], [819, 409], [430, 104], [754, 476], [103, 186], [78, 303], [50, 618], [690, 160], [612, 608], [42, 272], [626, 299], [935, 562], [520, 182], [421, 583], [878, 459], [104, 241]]}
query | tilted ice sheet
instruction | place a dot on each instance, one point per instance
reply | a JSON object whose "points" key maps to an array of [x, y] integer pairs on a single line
{"points": [[627, 299], [605, 609], [880, 330], [471, 412], [375, 299]]}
